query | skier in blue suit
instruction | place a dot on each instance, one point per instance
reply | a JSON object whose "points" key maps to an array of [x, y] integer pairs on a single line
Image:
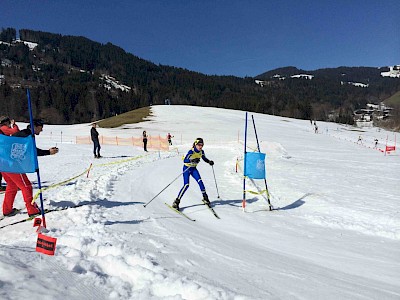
{"points": [[190, 163]]}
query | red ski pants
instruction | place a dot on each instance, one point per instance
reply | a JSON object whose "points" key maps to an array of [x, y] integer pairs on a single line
{"points": [[14, 183]]}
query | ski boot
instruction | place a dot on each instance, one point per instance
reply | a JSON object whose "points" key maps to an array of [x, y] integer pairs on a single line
{"points": [[12, 213], [37, 213], [175, 205], [205, 200]]}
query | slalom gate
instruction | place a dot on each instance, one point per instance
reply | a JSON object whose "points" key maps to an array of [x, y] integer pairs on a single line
{"points": [[253, 166]]}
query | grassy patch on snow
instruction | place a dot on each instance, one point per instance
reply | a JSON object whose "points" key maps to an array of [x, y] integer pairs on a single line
{"points": [[130, 117]]}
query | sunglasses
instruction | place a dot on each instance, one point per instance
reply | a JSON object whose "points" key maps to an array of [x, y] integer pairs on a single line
{"points": [[200, 144]]}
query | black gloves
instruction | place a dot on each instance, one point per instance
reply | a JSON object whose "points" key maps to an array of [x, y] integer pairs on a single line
{"points": [[195, 160]]}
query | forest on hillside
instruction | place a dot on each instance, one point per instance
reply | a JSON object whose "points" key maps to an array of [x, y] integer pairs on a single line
{"points": [[67, 77]]}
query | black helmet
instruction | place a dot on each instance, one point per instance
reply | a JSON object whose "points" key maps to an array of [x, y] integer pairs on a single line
{"points": [[198, 141], [38, 122]]}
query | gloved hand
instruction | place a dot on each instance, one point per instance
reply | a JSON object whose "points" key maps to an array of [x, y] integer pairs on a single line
{"points": [[195, 160], [211, 163]]}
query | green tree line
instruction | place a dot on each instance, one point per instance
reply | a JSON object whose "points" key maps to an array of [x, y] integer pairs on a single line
{"points": [[64, 76]]}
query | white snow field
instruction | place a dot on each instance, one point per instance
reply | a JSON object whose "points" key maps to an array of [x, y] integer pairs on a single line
{"points": [[334, 233]]}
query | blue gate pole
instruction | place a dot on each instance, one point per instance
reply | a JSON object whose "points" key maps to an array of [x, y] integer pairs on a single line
{"points": [[244, 166], [36, 160], [265, 180]]}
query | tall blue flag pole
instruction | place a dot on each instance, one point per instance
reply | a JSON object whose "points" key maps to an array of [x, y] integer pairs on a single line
{"points": [[265, 180], [28, 94], [244, 165]]}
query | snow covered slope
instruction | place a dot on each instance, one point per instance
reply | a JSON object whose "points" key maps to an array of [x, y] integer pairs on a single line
{"points": [[335, 233]]}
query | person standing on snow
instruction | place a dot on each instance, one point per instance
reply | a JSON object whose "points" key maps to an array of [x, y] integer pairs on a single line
{"points": [[95, 139], [315, 127], [145, 140], [7, 127], [190, 163], [20, 181], [169, 137], [2, 188]]}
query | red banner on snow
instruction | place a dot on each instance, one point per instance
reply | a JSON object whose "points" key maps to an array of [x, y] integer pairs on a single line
{"points": [[46, 244], [390, 148], [37, 222]]}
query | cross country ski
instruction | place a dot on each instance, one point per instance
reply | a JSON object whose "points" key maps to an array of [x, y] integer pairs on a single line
{"points": [[179, 212], [29, 218], [210, 208]]}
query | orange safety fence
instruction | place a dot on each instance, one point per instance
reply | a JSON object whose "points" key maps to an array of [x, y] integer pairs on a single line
{"points": [[153, 142]]}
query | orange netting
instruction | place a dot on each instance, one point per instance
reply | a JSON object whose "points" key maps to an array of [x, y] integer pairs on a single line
{"points": [[153, 142]]}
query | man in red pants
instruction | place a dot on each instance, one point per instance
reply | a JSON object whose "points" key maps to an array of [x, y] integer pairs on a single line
{"points": [[21, 181]]}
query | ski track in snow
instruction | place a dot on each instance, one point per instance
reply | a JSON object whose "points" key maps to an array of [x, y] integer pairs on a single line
{"points": [[110, 263], [136, 275]]}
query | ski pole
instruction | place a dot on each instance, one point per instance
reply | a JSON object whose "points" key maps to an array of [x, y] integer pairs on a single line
{"points": [[215, 181], [265, 180], [165, 188]]}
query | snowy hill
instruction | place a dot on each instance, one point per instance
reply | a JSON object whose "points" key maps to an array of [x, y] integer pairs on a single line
{"points": [[334, 233]]}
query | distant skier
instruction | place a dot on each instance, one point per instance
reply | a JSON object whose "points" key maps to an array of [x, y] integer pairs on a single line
{"points": [[169, 137], [376, 143], [315, 128], [359, 139], [95, 139], [190, 163]]}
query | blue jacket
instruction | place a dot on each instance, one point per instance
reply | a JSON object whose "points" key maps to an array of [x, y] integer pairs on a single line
{"points": [[192, 158]]}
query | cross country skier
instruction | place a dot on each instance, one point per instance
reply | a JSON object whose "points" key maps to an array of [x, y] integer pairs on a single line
{"points": [[190, 163]]}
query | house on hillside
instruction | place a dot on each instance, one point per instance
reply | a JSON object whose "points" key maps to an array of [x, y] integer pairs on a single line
{"points": [[304, 76], [260, 82], [279, 77], [265, 83], [394, 71], [357, 84], [366, 116]]}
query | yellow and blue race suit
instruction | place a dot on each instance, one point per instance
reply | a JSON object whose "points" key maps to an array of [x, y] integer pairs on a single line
{"points": [[190, 163]]}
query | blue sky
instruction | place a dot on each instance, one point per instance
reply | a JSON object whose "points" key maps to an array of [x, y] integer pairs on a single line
{"points": [[241, 38]]}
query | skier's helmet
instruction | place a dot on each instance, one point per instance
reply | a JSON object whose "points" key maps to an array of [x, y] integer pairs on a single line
{"points": [[199, 141]]}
